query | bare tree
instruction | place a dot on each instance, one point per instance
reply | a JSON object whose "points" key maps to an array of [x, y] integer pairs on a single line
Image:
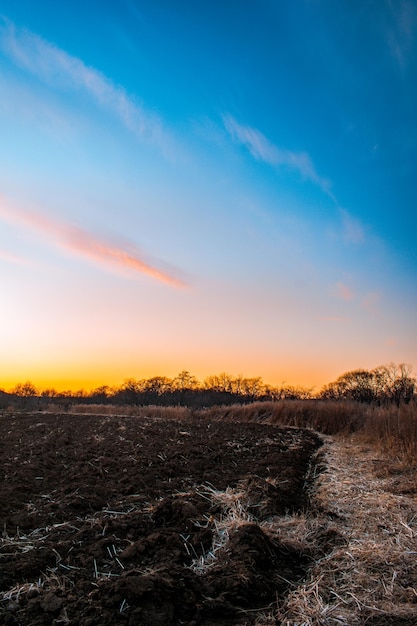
{"points": [[386, 383], [157, 385], [184, 380], [130, 391], [219, 382], [253, 387], [26, 392]]}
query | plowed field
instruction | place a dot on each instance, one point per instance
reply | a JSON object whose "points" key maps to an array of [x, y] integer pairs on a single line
{"points": [[126, 520]]}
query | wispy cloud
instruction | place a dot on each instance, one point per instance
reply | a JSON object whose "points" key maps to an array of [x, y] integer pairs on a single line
{"points": [[401, 30], [352, 229], [58, 68], [264, 150], [15, 259], [83, 243]]}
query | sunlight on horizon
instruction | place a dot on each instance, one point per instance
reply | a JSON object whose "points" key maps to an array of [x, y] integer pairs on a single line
{"points": [[161, 212]]}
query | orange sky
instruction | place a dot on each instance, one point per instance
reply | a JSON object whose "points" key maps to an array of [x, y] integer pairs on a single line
{"points": [[162, 212]]}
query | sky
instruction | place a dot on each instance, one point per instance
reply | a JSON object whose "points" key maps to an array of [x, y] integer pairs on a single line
{"points": [[224, 186]]}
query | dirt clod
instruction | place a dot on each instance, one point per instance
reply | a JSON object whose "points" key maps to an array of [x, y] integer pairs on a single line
{"points": [[122, 520]]}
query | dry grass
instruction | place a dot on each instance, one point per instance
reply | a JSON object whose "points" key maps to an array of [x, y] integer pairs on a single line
{"points": [[362, 538], [22, 543], [391, 428], [326, 416], [369, 571], [150, 412], [394, 430], [233, 514], [372, 573]]}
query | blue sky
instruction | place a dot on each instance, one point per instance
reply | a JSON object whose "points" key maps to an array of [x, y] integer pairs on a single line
{"points": [[207, 186]]}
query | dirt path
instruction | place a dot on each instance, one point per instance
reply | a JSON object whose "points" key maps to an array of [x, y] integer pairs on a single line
{"points": [[370, 576]]}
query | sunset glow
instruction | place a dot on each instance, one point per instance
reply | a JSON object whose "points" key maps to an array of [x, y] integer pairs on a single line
{"points": [[211, 187]]}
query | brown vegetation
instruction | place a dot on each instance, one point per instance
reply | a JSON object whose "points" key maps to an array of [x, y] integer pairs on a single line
{"points": [[392, 429], [222, 516], [235, 514]]}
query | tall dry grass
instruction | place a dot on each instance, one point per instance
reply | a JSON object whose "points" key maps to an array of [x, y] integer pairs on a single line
{"points": [[394, 430], [150, 412], [327, 416], [391, 428]]}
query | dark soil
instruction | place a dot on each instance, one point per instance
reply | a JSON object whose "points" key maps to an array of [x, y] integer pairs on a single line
{"points": [[121, 520]]}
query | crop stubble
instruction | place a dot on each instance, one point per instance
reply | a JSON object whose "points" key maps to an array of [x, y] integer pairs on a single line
{"points": [[124, 520]]}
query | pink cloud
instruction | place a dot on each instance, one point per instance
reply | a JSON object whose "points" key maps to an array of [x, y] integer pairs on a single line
{"points": [[16, 259], [83, 243], [344, 292]]}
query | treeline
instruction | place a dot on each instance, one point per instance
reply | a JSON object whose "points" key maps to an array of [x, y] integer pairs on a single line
{"points": [[183, 390], [383, 385]]}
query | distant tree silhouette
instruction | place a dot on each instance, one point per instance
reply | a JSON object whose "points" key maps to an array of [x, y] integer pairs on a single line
{"points": [[49, 393], [252, 387], [386, 383], [4, 399], [185, 381], [398, 384], [101, 395], [129, 392], [157, 385], [26, 392], [219, 382]]}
